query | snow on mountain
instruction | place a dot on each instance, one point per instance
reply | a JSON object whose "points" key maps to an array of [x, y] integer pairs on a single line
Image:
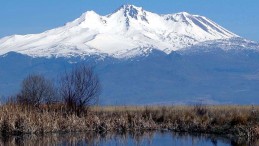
{"points": [[230, 44], [130, 31]]}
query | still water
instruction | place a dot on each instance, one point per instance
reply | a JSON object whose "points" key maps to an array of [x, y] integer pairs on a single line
{"points": [[123, 139]]}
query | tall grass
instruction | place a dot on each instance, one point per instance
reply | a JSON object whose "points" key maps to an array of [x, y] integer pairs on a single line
{"points": [[227, 120]]}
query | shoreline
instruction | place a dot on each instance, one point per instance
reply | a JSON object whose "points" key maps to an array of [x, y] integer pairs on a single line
{"points": [[228, 121]]}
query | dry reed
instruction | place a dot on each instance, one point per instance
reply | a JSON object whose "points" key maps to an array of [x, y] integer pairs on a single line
{"points": [[241, 121]]}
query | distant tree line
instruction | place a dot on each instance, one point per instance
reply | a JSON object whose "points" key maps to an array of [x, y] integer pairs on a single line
{"points": [[76, 90]]}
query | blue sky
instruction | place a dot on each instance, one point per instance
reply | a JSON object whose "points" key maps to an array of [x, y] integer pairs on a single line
{"points": [[34, 16]]}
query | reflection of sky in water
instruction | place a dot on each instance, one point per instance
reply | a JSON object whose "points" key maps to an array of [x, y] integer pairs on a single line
{"points": [[167, 139], [124, 139]]}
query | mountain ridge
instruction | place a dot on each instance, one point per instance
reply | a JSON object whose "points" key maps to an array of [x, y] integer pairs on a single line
{"points": [[128, 32], [221, 77]]}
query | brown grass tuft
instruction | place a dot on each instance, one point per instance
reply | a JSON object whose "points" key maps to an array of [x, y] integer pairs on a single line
{"points": [[203, 119]]}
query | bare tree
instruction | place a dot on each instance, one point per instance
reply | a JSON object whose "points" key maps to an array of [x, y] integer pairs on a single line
{"points": [[35, 90], [80, 88]]}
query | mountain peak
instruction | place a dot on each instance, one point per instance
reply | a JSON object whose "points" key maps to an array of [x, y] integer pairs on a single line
{"points": [[88, 14], [129, 31], [183, 14], [129, 7], [131, 11]]}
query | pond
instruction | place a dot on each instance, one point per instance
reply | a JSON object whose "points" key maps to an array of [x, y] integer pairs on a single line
{"points": [[123, 139]]}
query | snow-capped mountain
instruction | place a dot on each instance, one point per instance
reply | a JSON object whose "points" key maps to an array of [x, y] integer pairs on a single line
{"points": [[174, 58], [130, 31]]}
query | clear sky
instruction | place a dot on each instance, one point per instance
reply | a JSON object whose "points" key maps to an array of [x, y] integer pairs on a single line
{"points": [[34, 16]]}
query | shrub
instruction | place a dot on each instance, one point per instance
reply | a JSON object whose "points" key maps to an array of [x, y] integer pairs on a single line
{"points": [[80, 88], [200, 109], [36, 90]]}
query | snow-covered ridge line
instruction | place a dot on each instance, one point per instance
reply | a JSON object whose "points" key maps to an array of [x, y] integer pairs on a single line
{"points": [[232, 44], [129, 31]]}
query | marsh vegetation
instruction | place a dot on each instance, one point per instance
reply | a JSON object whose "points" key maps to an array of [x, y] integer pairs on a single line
{"points": [[230, 121]]}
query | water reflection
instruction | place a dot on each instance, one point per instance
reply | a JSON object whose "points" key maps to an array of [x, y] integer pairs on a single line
{"points": [[127, 139]]}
